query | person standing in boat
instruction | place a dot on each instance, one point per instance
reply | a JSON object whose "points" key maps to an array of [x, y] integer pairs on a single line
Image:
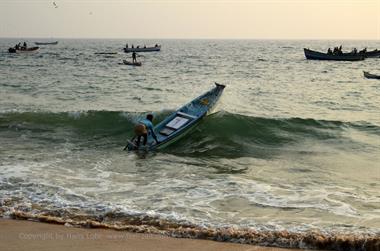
{"points": [[143, 129], [134, 57], [126, 46]]}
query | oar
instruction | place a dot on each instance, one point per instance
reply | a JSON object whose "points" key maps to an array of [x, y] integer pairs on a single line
{"points": [[130, 142]]}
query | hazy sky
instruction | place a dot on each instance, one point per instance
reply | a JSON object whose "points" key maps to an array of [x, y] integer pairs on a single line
{"points": [[256, 19]]}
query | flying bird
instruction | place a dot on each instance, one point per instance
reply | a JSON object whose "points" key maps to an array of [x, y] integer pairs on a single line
{"points": [[55, 5]]}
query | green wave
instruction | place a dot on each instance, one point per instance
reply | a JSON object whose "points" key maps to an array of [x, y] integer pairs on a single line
{"points": [[220, 134]]}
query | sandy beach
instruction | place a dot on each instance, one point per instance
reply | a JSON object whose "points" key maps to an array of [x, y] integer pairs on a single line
{"points": [[29, 235]]}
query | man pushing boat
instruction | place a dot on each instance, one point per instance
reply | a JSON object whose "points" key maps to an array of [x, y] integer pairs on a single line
{"points": [[142, 130]]}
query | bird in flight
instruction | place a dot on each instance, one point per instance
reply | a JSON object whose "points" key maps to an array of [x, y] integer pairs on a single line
{"points": [[55, 5]]}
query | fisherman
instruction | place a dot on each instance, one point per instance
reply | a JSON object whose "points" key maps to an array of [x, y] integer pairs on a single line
{"points": [[24, 45], [143, 128], [329, 51], [134, 57], [126, 46]]}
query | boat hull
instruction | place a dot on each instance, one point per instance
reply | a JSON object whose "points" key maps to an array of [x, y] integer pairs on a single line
{"points": [[179, 123], [46, 43], [28, 50], [125, 62], [372, 54], [315, 55], [147, 49], [370, 76]]}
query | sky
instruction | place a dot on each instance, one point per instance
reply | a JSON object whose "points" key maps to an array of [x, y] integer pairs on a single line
{"points": [[191, 19]]}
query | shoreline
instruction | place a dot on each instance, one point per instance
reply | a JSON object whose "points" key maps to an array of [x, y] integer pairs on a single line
{"points": [[33, 235]]}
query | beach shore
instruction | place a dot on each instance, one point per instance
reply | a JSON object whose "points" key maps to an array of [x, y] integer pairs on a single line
{"points": [[29, 235]]}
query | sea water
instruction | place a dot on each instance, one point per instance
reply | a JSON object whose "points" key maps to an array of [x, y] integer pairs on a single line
{"points": [[290, 157]]}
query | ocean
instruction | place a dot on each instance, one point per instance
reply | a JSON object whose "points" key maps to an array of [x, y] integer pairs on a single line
{"points": [[289, 158]]}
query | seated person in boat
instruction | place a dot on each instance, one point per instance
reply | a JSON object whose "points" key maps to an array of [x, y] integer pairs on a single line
{"points": [[329, 51], [156, 45], [134, 57], [126, 46], [143, 128], [133, 46], [354, 51], [24, 46], [144, 46]]}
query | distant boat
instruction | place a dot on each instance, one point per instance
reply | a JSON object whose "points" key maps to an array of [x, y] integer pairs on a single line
{"points": [[315, 55], [26, 50], [142, 49], [372, 54], [46, 43], [131, 63], [369, 75]]}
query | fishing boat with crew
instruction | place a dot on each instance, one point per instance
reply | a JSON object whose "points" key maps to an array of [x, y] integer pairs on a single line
{"points": [[341, 56], [180, 122], [128, 49], [23, 50], [372, 54]]}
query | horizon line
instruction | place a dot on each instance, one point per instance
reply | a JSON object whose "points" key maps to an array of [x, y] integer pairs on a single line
{"points": [[200, 38]]}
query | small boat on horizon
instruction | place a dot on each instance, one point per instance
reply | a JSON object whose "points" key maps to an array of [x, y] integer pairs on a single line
{"points": [[181, 121], [370, 76], [372, 54], [23, 50], [125, 62], [46, 43], [316, 55], [157, 47]]}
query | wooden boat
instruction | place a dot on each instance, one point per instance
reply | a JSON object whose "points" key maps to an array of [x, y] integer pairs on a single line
{"points": [[142, 49], [372, 54], [181, 121], [315, 55], [131, 63], [14, 50], [369, 75], [46, 43]]}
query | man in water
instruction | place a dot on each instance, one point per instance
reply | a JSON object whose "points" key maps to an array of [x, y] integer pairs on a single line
{"points": [[134, 57], [143, 128]]}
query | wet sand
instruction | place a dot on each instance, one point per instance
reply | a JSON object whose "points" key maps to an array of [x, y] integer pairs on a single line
{"points": [[29, 235]]}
